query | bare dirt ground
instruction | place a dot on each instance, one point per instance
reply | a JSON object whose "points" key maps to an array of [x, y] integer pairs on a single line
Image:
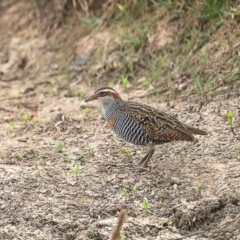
{"points": [[193, 190]]}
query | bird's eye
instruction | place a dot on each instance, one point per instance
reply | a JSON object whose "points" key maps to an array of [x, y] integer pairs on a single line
{"points": [[102, 93]]}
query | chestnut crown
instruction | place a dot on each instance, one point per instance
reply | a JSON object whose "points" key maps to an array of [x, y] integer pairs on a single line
{"points": [[104, 94]]}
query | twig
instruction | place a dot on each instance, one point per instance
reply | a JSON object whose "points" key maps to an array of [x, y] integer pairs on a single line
{"points": [[116, 232], [189, 235], [6, 110], [232, 130]]}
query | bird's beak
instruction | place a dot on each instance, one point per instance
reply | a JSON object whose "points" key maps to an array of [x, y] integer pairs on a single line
{"points": [[92, 97]]}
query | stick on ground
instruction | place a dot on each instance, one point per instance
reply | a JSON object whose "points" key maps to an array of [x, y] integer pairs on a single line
{"points": [[116, 232]]}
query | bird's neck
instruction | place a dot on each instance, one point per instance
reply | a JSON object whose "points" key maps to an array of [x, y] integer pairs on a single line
{"points": [[110, 109]]}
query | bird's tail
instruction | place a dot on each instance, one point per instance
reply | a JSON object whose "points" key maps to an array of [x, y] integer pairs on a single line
{"points": [[197, 131]]}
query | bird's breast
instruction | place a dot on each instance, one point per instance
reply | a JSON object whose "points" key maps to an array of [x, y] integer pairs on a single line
{"points": [[125, 127]]}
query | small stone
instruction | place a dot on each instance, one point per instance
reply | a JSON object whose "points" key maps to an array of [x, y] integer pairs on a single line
{"points": [[80, 61], [54, 66]]}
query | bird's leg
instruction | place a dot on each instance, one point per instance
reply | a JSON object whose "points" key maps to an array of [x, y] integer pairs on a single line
{"points": [[150, 153], [144, 161]]}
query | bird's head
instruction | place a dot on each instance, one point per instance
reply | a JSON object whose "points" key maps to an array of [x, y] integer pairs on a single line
{"points": [[105, 95]]}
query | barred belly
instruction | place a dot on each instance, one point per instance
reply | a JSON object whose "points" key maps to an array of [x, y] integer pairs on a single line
{"points": [[130, 131]]}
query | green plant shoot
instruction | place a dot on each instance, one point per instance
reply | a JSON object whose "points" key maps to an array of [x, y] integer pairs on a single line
{"points": [[145, 204], [124, 192], [75, 170]]}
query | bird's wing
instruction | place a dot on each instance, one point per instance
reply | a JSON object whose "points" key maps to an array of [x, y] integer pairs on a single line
{"points": [[160, 127]]}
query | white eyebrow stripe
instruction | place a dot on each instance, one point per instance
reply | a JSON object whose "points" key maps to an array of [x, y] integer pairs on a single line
{"points": [[106, 90]]}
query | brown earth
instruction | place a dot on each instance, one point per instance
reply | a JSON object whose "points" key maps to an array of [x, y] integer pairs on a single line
{"points": [[193, 190]]}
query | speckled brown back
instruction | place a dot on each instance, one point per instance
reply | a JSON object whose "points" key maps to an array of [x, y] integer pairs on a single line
{"points": [[161, 127]]}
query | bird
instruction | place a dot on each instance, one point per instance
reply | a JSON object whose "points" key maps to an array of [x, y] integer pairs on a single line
{"points": [[141, 124]]}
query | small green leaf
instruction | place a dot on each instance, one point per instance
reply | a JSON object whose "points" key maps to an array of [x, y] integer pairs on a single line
{"points": [[124, 192], [86, 110], [124, 81], [59, 146], [134, 189], [26, 117], [110, 84], [75, 169], [122, 237], [145, 204], [20, 155], [91, 21], [126, 151], [230, 116]]}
